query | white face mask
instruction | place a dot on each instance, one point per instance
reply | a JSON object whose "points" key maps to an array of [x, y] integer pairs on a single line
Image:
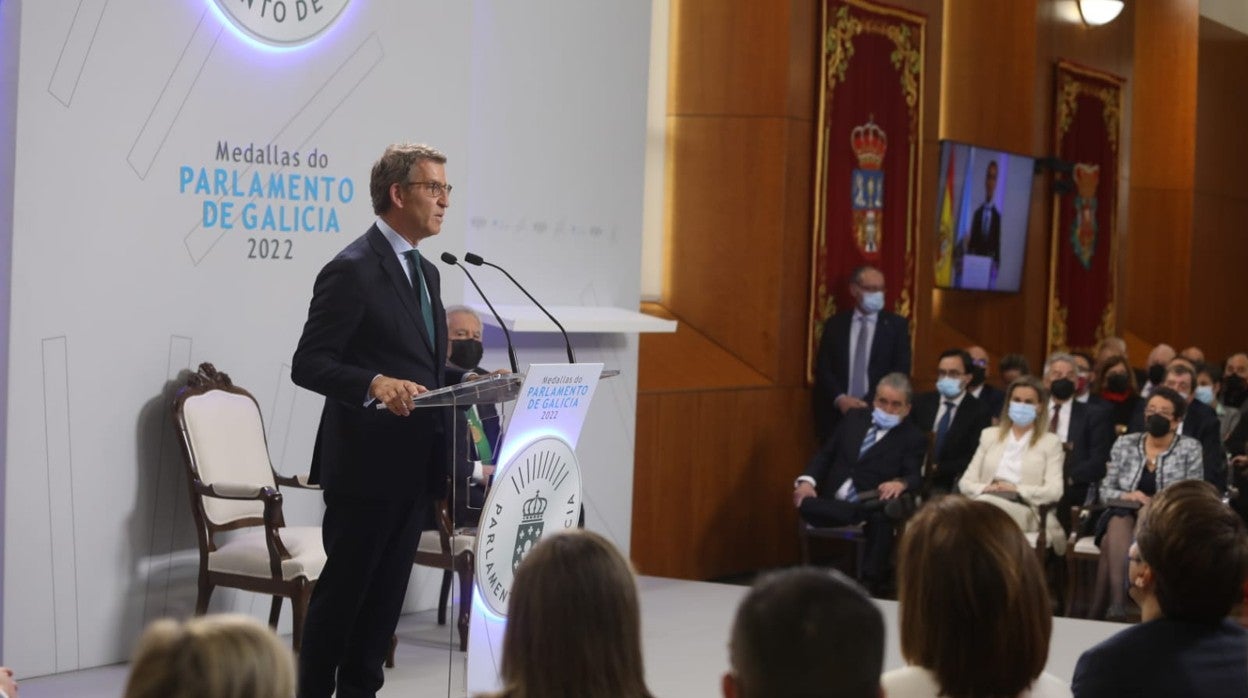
{"points": [[1022, 414], [872, 301]]}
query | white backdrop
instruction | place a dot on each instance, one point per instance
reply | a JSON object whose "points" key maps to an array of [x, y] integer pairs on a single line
{"points": [[125, 271]]}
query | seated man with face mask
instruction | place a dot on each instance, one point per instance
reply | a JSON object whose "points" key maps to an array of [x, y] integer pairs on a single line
{"points": [[954, 418], [859, 475], [476, 426]]}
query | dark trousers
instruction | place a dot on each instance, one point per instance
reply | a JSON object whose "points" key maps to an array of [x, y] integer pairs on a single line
{"points": [[356, 602], [877, 531]]}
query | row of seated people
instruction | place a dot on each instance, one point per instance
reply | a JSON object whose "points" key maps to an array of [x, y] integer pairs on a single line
{"points": [[1047, 447], [575, 629]]}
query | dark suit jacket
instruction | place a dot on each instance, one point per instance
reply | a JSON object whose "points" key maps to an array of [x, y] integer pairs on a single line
{"points": [[1091, 436], [1166, 658], [993, 399], [897, 456], [365, 320], [986, 243], [1201, 423], [969, 420], [890, 351]]}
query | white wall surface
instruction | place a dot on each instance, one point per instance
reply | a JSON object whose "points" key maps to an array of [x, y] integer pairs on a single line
{"points": [[119, 283]]}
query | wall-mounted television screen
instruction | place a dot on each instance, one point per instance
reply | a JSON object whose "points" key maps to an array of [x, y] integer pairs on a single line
{"points": [[982, 209]]}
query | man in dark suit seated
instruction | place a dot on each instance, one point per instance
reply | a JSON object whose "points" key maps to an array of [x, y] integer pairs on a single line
{"points": [[477, 431], [992, 397], [1200, 422], [1084, 428], [861, 472], [953, 416], [1186, 571], [858, 348]]}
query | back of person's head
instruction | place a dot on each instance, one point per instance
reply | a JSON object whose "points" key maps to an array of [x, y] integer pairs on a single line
{"points": [[806, 632], [217, 656], [573, 622], [1197, 550], [974, 608]]}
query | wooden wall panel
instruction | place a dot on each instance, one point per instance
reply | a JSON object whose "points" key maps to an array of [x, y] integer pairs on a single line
{"points": [[729, 57], [726, 208]]}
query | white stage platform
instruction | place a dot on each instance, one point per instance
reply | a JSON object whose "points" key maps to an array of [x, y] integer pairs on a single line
{"points": [[685, 626]]}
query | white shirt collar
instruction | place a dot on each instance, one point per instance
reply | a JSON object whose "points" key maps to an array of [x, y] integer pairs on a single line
{"points": [[396, 241]]}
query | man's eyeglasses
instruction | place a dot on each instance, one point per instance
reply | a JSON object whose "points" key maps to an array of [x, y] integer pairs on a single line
{"points": [[435, 189]]}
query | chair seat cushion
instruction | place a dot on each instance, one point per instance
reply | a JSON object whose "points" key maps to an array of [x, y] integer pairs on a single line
{"points": [[247, 554], [1087, 546], [431, 542]]}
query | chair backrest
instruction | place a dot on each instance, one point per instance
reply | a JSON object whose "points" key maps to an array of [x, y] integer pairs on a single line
{"points": [[223, 440]]}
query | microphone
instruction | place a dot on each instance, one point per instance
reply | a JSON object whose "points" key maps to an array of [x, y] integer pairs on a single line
{"points": [[449, 258], [475, 260]]}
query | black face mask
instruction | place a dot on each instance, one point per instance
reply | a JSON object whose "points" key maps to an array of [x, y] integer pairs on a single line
{"points": [[978, 374], [1062, 388], [1234, 390], [1117, 383], [466, 353], [1157, 425], [1156, 374]]}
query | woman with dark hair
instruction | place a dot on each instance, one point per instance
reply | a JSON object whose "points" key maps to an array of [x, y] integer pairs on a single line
{"points": [[573, 623], [1115, 388], [974, 608], [1186, 570], [1140, 466], [1018, 465]]}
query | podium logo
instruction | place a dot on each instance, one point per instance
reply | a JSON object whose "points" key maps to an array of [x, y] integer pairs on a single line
{"points": [[538, 493], [283, 22]]}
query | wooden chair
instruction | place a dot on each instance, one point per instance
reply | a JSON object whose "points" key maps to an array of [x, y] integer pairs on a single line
{"points": [[1082, 555], [451, 550], [233, 487]]}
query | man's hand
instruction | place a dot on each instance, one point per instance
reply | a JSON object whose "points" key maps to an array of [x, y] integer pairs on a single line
{"points": [[891, 489], [395, 393], [7, 683], [846, 403], [487, 472], [802, 491], [1239, 462]]}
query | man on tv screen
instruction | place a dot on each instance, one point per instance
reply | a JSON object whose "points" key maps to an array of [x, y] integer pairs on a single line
{"points": [[985, 237]]}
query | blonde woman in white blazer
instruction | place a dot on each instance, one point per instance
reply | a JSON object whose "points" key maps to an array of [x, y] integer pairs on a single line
{"points": [[1018, 465]]}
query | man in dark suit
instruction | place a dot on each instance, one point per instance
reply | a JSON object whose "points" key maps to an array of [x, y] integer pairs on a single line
{"points": [[477, 430], [1085, 429], [992, 397], [858, 348], [953, 417], [376, 333], [985, 237], [861, 472], [1200, 422]]}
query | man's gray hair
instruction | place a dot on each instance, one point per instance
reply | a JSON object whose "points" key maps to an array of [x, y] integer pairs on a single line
{"points": [[1059, 356], [898, 381], [451, 310]]}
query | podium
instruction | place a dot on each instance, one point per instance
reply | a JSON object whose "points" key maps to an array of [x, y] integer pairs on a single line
{"points": [[536, 488]]}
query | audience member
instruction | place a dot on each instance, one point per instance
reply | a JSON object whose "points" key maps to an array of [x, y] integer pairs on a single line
{"points": [[1083, 375], [858, 348], [953, 417], [573, 623], [477, 433], [1193, 354], [1116, 390], [1018, 465], [1237, 364], [1235, 381], [974, 609], [861, 472], [1186, 570], [1155, 369], [1013, 367], [1209, 391], [1140, 465], [1199, 422], [211, 657], [1110, 346], [1084, 428], [981, 367], [805, 632]]}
